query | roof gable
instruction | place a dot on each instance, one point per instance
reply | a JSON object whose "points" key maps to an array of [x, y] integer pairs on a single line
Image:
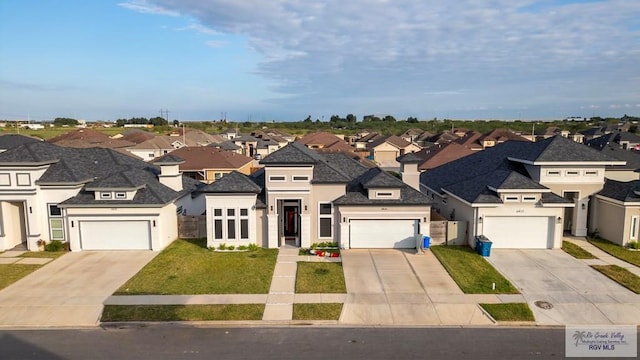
{"points": [[233, 182]]}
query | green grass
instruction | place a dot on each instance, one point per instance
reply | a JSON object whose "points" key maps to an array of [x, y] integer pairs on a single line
{"points": [[43, 254], [326, 311], [189, 268], [632, 257], [320, 277], [182, 312], [620, 275], [471, 271], [509, 311], [10, 273], [576, 251]]}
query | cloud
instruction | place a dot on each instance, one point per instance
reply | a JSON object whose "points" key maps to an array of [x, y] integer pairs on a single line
{"points": [[500, 51], [200, 29], [145, 7]]}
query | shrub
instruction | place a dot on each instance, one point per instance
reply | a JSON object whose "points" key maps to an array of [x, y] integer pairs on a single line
{"points": [[253, 247], [242, 247], [55, 245], [633, 245], [222, 246], [231, 247]]}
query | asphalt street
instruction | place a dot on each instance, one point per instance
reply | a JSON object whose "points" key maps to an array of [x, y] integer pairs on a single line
{"points": [[178, 341]]}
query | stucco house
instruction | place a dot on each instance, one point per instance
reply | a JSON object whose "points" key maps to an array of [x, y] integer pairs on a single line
{"points": [[520, 194], [208, 164], [616, 211], [384, 150], [301, 197], [93, 198]]}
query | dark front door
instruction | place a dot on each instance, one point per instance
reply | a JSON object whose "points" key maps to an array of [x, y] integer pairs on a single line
{"points": [[290, 221]]}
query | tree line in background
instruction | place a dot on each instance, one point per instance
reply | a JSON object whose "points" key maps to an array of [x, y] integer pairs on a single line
{"points": [[349, 124]]}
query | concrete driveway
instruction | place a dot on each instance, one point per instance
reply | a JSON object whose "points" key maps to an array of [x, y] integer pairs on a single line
{"points": [[70, 290], [578, 293], [395, 287]]}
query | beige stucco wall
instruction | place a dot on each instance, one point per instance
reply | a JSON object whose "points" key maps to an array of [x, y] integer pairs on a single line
{"points": [[324, 193], [619, 175], [612, 220]]}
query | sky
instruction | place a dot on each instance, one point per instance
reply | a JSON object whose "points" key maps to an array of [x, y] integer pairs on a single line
{"points": [[284, 60]]}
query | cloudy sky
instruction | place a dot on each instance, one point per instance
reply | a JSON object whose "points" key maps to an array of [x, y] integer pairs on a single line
{"points": [[286, 59]]}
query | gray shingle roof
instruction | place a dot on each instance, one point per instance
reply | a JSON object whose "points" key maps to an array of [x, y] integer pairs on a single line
{"points": [[169, 159], [233, 182], [377, 178], [622, 191], [10, 141], [97, 168], [559, 149], [292, 154], [551, 198], [409, 158]]}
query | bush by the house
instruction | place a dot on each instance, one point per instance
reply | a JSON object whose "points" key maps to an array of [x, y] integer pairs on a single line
{"points": [[55, 245]]}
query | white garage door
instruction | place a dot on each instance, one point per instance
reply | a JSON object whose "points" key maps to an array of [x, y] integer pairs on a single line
{"points": [[383, 233], [115, 235], [519, 232]]}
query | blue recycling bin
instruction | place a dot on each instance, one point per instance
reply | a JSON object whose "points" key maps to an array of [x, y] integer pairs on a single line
{"points": [[426, 241], [485, 247]]}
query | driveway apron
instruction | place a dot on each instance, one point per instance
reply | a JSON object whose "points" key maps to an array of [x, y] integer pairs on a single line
{"points": [[577, 293], [392, 287], [70, 290]]}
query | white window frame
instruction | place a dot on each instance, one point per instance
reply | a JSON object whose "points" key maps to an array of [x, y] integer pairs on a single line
{"points": [[529, 198], [23, 179], [121, 195], [276, 178], [553, 172], [237, 218], [325, 216], [57, 218], [512, 198], [633, 230], [591, 172], [304, 178], [5, 179], [106, 195], [572, 173]]}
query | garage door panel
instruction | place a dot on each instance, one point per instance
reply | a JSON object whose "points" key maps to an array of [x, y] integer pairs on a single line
{"points": [[518, 232], [115, 235], [385, 234]]}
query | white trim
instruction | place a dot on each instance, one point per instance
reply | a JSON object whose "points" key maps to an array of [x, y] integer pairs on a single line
{"points": [[511, 198], [325, 216], [384, 194], [572, 173], [567, 163], [617, 202], [633, 230], [293, 178], [106, 195], [276, 178]]}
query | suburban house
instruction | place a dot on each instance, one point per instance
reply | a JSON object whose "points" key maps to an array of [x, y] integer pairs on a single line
{"points": [[302, 197], [164, 144], [619, 146], [520, 194], [616, 211], [207, 164], [435, 156], [386, 149], [324, 140], [92, 198]]}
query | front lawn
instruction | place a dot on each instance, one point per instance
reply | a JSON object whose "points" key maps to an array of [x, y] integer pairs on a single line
{"points": [[182, 312], [187, 267], [43, 254], [620, 275], [327, 311], [509, 311], [576, 251], [471, 271], [320, 277], [632, 257], [14, 272]]}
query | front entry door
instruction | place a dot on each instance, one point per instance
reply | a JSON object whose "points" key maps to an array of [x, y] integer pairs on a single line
{"points": [[290, 221]]}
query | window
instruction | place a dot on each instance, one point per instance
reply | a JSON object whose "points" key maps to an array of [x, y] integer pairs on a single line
{"points": [[277, 178], [217, 224], [633, 232], [553, 173], [23, 179], [512, 198], [300, 178], [150, 156], [56, 225], [179, 210], [105, 195], [528, 198], [325, 216], [591, 173], [121, 195], [5, 180], [228, 224], [384, 194], [572, 173], [217, 176]]}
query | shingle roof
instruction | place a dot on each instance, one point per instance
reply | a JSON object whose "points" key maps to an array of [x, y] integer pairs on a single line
{"points": [[96, 168], [325, 140], [293, 154], [377, 178], [470, 177], [206, 157], [615, 151], [169, 159], [434, 157], [233, 182], [394, 140], [226, 145], [622, 191], [10, 141], [409, 158], [86, 138]]}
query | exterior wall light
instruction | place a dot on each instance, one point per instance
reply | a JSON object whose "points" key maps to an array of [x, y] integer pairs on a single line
{"points": [[559, 220], [480, 220]]}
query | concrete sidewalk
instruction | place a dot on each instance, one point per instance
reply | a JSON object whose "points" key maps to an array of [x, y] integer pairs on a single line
{"points": [[603, 258]]}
